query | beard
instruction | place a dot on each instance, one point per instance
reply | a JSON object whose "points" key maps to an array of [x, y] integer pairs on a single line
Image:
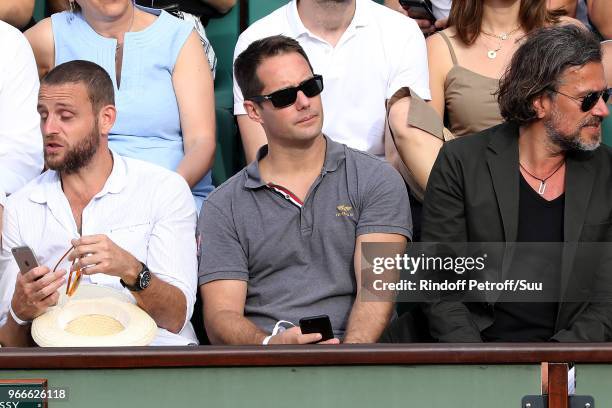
{"points": [[78, 156], [571, 141]]}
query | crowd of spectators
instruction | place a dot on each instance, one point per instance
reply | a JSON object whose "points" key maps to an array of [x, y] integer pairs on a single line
{"points": [[361, 123]]}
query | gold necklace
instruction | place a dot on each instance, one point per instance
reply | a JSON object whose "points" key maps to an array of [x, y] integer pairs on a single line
{"points": [[492, 53]]}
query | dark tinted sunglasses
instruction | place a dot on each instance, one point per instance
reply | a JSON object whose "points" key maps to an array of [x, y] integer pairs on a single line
{"points": [[589, 100], [285, 97]]}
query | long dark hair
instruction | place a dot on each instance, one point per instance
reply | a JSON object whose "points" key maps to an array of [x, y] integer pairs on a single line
{"points": [[466, 17], [537, 66]]}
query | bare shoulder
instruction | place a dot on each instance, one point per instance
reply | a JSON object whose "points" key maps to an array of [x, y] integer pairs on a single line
{"points": [[192, 54], [40, 32], [437, 48], [143, 19], [40, 37], [436, 43]]}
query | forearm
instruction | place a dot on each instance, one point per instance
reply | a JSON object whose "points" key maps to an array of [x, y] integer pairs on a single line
{"points": [[17, 13], [229, 327], [593, 325], [367, 321], [417, 148], [420, 155], [165, 303], [14, 335], [197, 162]]}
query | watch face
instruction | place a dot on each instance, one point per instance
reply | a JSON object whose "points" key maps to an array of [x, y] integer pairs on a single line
{"points": [[145, 279]]}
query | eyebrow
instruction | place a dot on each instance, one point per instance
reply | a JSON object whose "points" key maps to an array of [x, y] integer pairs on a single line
{"points": [[58, 105]]}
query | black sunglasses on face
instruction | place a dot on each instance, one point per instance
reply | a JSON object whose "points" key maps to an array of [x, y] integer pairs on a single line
{"points": [[285, 97], [589, 100]]}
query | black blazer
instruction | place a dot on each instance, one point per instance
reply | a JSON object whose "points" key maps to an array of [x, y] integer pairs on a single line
{"points": [[473, 196]]}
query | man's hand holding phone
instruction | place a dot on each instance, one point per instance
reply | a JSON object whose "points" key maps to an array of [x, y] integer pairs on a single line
{"points": [[294, 336], [35, 291], [420, 12], [314, 329]]}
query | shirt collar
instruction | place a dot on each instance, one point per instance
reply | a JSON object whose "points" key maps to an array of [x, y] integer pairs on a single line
{"points": [[297, 28], [334, 155], [50, 183]]}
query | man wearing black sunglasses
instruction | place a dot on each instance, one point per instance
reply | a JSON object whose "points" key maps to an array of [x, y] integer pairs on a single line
{"points": [[540, 177], [364, 50], [281, 240]]}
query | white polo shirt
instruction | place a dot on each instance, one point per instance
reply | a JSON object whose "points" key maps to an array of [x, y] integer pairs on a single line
{"points": [[145, 209], [21, 157], [380, 52]]}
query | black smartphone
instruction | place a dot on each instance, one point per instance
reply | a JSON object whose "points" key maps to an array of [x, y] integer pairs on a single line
{"points": [[317, 324], [419, 9], [25, 258]]}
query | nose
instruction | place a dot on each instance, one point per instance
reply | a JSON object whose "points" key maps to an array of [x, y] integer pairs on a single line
{"points": [[601, 108], [49, 125], [302, 101]]}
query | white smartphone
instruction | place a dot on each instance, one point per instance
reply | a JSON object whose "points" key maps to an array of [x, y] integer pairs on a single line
{"points": [[25, 258]]}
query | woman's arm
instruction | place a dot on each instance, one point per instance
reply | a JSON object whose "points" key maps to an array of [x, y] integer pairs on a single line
{"points": [[600, 13], [16, 12], [440, 63], [41, 40], [193, 86]]}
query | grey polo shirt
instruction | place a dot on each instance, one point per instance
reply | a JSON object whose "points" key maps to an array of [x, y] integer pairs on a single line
{"points": [[298, 258]]}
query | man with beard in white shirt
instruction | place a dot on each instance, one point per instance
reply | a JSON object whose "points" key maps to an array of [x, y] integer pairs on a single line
{"points": [[128, 224]]}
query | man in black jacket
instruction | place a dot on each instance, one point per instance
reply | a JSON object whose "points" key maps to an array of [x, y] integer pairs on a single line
{"points": [[541, 176]]}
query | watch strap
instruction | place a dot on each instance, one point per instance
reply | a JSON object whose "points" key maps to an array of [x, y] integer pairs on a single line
{"points": [[138, 286]]}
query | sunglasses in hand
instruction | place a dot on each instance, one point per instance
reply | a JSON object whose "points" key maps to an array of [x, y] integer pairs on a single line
{"points": [[287, 96], [74, 278]]}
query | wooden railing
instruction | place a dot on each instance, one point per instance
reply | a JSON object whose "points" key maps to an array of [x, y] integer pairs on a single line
{"points": [[553, 358], [379, 354]]}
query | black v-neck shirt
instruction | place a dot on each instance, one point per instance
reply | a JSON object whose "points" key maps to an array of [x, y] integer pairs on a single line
{"points": [[540, 220]]}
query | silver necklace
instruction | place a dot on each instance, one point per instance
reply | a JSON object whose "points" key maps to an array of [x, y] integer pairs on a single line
{"points": [[542, 187]]}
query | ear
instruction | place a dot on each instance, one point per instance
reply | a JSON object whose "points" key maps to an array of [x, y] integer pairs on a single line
{"points": [[542, 105], [254, 111], [106, 118]]}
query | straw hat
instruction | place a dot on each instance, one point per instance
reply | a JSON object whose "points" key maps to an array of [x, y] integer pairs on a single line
{"points": [[99, 317]]}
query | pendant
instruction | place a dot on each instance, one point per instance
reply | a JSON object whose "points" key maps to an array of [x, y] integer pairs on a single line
{"points": [[492, 54], [504, 36], [542, 188]]}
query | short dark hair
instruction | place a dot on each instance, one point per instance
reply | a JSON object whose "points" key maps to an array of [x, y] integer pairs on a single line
{"points": [[246, 64], [537, 66], [97, 81]]}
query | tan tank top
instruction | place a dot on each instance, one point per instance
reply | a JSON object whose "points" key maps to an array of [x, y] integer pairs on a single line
{"points": [[469, 98]]}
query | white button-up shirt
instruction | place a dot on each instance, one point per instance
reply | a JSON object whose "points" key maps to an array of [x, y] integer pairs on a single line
{"points": [[143, 208], [21, 157], [380, 52]]}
